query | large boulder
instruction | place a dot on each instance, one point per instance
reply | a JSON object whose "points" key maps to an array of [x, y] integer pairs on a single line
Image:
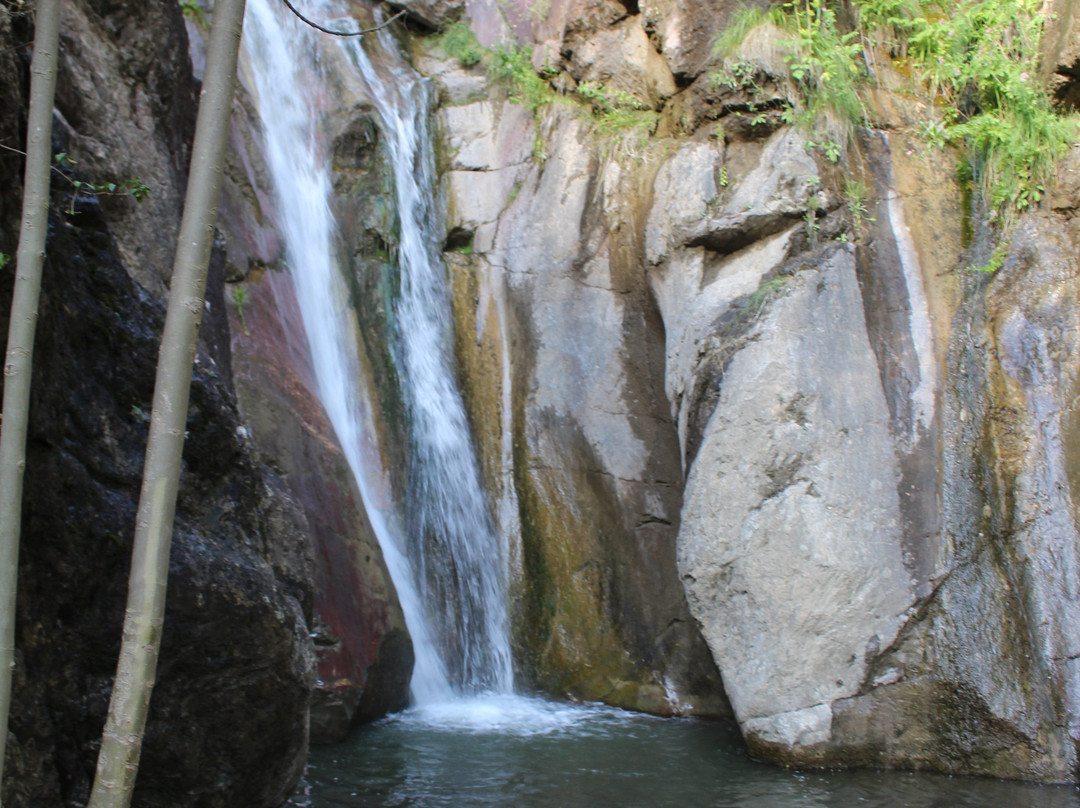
{"points": [[435, 14], [623, 60], [790, 546]]}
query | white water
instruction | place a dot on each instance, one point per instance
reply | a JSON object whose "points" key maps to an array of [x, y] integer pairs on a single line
{"points": [[448, 568]]}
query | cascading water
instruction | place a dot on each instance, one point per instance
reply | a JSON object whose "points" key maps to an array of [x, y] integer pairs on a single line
{"points": [[448, 568], [460, 572]]}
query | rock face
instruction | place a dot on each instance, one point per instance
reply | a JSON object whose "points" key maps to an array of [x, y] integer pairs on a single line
{"points": [[433, 13], [794, 474], [1061, 53], [363, 651], [759, 445], [876, 535], [562, 351], [236, 666], [275, 590]]}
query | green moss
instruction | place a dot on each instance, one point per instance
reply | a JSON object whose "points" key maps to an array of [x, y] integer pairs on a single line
{"points": [[565, 625], [195, 14]]}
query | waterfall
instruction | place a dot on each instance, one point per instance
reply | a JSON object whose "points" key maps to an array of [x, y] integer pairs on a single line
{"points": [[446, 562]]}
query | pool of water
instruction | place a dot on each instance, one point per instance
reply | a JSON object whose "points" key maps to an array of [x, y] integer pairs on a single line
{"points": [[530, 753]]}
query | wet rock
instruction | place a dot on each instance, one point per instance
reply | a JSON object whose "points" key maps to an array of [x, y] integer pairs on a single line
{"points": [[981, 680], [560, 341], [361, 645], [364, 655], [1031, 435]]}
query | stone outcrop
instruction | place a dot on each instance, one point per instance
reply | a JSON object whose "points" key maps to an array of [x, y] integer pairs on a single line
{"points": [[623, 60], [236, 665], [435, 14], [1061, 53], [876, 444]]}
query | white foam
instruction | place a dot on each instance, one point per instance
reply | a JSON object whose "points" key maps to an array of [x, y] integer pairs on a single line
{"points": [[519, 716]]}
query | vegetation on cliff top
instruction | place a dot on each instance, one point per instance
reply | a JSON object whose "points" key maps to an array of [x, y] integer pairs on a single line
{"points": [[612, 111], [974, 59]]}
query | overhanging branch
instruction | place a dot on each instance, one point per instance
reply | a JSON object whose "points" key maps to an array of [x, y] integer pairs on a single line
{"points": [[318, 27]]}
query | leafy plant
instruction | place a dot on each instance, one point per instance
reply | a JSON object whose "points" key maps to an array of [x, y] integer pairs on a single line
{"points": [[855, 194], [512, 66], [766, 292], [973, 58], [539, 10], [737, 74], [996, 262], [824, 61], [64, 165], [240, 299], [5, 259], [459, 42], [616, 111]]}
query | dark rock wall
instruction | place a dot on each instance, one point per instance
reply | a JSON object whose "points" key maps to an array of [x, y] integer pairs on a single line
{"points": [[236, 665], [229, 715]]}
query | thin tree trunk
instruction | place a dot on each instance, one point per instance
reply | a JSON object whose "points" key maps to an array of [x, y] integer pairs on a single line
{"points": [[20, 344], [121, 743]]}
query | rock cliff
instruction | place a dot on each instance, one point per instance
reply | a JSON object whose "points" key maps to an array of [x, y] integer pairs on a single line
{"points": [[685, 345], [759, 443]]}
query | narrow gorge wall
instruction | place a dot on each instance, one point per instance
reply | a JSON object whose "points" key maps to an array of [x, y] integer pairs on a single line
{"points": [[277, 592], [236, 665], [686, 358]]}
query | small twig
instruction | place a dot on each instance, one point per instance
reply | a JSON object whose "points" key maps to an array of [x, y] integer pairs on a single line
{"points": [[21, 152], [133, 187], [318, 27]]}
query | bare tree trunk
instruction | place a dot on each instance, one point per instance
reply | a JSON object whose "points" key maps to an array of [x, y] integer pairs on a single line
{"points": [[20, 344], [121, 743]]}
